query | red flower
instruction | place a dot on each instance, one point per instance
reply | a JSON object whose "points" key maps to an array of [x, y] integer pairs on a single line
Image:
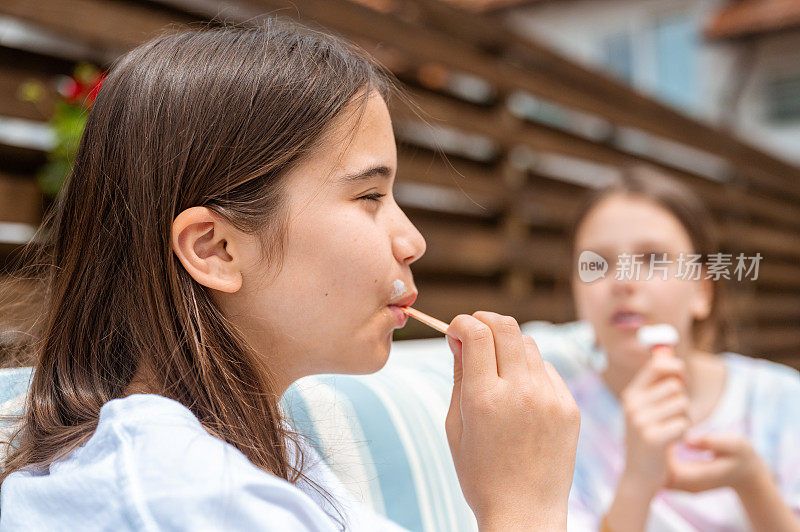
{"points": [[69, 88], [95, 88], [83, 93]]}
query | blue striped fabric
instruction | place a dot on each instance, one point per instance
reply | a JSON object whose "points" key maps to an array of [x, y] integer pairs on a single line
{"points": [[383, 434], [13, 383]]}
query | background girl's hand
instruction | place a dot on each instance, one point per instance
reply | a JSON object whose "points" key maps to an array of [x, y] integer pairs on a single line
{"points": [[734, 463], [512, 426], [656, 407]]}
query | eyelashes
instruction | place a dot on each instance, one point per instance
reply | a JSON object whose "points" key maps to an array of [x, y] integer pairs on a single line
{"points": [[375, 196]]}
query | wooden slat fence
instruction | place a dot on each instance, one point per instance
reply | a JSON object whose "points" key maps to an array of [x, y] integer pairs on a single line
{"points": [[525, 130]]}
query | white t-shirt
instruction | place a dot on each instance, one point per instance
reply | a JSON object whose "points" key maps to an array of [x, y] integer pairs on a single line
{"points": [[150, 465]]}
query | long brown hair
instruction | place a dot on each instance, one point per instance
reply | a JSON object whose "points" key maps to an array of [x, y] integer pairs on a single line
{"points": [[204, 116], [650, 183]]}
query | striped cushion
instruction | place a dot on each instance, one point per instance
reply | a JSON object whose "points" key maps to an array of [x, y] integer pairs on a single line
{"points": [[383, 434]]}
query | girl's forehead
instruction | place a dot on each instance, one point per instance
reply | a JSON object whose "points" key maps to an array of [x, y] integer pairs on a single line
{"points": [[357, 142], [630, 220]]}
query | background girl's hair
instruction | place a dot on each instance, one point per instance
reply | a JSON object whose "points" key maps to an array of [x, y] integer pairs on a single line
{"points": [[214, 117], [650, 183]]}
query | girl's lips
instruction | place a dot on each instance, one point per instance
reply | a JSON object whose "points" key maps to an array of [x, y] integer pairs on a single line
{"points": [[627, 320], [396, 308], [400, 317], [406, 301]]}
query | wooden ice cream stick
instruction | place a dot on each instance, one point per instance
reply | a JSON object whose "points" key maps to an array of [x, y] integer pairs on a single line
{"points": [[430, 321]]}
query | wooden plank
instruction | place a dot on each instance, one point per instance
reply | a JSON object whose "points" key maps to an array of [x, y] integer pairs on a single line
{"points": [[542, 138], [475, 250], [11, 80], [445, 301], [555, 203], [18, 67], [761, 341], [548, 207], [769, 241], [18, 306], [546, 202], [435, 169], [20, 160], [113, 25], [765, 307], [770, 209], [458, 248], [476, 188], [779, 275], [21, 200]]}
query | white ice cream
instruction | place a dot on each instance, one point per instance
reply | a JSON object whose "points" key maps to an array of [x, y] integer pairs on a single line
{"points": [[398, 289], [661, 334]]}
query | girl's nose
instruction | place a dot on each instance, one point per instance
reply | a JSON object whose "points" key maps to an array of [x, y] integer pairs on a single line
{"points": [[622, 286], [408, 244]]}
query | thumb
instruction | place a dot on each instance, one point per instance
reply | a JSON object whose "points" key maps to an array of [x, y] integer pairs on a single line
{"points": [[663, 350], [719, 443], [453, 422]]}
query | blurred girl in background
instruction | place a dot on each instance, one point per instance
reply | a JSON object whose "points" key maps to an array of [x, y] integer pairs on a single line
{"points": [[738, 461]]}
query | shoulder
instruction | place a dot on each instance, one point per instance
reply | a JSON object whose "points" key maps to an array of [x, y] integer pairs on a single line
{"points": [[151, 465], [763, 375], [762, 397], [178, 474], [159, 438]]}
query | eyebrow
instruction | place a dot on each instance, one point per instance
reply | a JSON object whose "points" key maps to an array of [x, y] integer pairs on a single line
{"points": [[375, 171]]}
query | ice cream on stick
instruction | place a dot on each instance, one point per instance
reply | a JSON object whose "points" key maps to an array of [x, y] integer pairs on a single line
{"points": [[661, 338]]}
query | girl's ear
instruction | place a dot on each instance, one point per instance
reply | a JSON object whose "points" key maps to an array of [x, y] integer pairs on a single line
{"points": [[703, 299], [206, 246]]}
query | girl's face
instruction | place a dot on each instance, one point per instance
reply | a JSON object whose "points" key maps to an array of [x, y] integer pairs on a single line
{"points": [[326, 309], [617, 308]]}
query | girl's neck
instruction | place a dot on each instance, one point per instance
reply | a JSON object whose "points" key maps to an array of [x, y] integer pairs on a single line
{"points": [[142, 382]]}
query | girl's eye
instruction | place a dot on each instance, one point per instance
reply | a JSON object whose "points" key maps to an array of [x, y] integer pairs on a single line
{"points": [[375, 196]]}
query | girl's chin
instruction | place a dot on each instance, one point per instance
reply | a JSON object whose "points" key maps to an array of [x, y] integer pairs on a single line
{"points": [[368, 359], [627, 348]]}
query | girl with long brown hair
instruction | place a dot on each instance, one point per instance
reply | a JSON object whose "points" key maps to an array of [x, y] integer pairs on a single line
{"points": [[229, 227], [683, 438]]}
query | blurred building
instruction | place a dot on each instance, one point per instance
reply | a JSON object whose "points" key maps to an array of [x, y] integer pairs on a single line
{"points": [[731, 63]]}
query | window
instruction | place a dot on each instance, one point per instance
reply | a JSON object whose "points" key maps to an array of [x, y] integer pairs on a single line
{"points": [[618, 55], [676, 46]]}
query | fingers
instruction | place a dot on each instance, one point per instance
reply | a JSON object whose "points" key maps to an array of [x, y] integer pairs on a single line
{"points": [[695, 476], [559, 387], [533, 355], [455, 347], [658, 368], [477, 351], [509, 347], [719, 443], [453, 421], [563, 393], [667, 388], [666, 432], [678, 406]]}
